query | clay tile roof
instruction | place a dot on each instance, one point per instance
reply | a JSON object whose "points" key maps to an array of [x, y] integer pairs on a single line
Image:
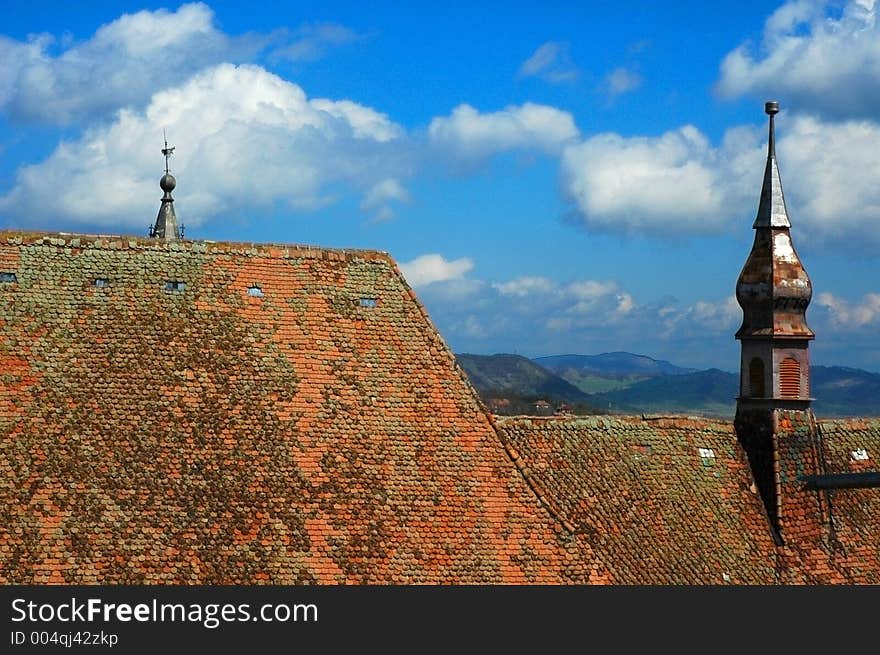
{"points": [[664, 500], [853, 446], [168, 425], [199, 434]]}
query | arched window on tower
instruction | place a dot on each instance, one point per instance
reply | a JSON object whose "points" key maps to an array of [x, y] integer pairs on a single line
{"points": [[756, 378], [790, 378]]}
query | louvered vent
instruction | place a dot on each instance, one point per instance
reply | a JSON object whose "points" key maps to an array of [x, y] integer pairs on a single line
{"points": [[790, 378]]}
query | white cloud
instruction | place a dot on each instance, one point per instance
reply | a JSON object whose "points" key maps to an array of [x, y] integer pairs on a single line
{"points": [[381, 194], [246, 141], [311, 41], [469, 136], [524, 286], [680, 183], [387, 189], [852, 314], [622, 80], [582, 297], [551, 62], [830, 174], [536, 314], [673, 183], [122, 65], [815, 58], [431, 268], [701, 317]]}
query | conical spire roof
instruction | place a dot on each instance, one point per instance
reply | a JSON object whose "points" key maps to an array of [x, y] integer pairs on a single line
{"points": [[166, 226], [771, 209], [773, 288]]}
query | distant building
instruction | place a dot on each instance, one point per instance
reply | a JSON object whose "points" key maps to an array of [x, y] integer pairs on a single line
{"points": [[176, 411], [542, 408], [563, 409]]}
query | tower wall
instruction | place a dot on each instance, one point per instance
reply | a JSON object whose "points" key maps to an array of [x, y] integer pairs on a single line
{"points": [[774, 292], [762, 352], [791, 370]]}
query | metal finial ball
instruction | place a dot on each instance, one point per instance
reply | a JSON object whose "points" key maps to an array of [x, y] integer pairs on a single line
{"points": [[771, 107], [167, 183]]}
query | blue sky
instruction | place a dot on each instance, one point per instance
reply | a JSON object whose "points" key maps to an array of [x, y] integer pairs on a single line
{"points": [[552, 177]]}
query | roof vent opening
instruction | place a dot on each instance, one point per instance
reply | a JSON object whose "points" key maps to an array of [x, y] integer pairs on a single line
{"points": [[7, 276], [101, 282], [255, 291], [175, 285], [860, 455], [790, 378], [367, 302]]}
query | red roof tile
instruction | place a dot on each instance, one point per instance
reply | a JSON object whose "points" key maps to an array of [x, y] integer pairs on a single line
{"points": [[209, 436], [206, 435]]}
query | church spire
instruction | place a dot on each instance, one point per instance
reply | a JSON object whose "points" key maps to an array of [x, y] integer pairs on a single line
{"points": [[774, 291], [771, 209], [166, 222]]}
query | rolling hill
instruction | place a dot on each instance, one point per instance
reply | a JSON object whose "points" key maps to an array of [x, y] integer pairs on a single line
{"points": [[627, 383], [841, 391], [513, 374], [608, 371], [711, 392], [621, 364]]}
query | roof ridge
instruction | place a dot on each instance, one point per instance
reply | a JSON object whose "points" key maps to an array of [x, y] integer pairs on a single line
{"points": [[201, 246]]}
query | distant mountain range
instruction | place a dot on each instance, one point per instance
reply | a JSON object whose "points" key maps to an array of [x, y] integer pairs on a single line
{"points": [[509, 376], [623, 382], [615, 364]]}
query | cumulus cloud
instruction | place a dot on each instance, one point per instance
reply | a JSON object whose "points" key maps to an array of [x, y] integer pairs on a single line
{"points": [[865, 312], [680, 183], [621, 80], [431, 268], [121, 65], [311, 41], [830, 173], [379, 197], [536, 314], [722, 316], [675, 183], [469, 136], [246, 140], [524, 286], [572, 301], [530, 312], [815, 57], [551, 62]]}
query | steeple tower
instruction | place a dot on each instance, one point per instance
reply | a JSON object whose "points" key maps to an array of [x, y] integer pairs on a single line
{"points": [[774, 291], [166, 222]]}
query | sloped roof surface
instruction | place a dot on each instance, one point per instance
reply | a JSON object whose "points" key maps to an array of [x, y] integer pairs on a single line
{"points": [[834, 535], [664, 500], [201, 434], [230, 413]]}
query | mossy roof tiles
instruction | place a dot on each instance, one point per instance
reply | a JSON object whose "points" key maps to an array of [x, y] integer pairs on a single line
{"points": [[209, 436], [205, 435], [659, 500]]}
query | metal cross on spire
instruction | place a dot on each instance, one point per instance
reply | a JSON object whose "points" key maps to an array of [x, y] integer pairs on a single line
{"points": [[166, 226], [167, 152]]}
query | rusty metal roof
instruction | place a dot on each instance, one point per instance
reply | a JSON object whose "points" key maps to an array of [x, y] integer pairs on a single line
{"points": [[773, 288], [771, 208]]}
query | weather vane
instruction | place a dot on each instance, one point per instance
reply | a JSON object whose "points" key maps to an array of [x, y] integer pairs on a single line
{"points": [[167, 151]]}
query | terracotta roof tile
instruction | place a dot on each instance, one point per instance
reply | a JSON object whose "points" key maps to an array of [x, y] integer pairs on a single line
{"points": [[653, 507], [201, 434], [209, 436]]}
